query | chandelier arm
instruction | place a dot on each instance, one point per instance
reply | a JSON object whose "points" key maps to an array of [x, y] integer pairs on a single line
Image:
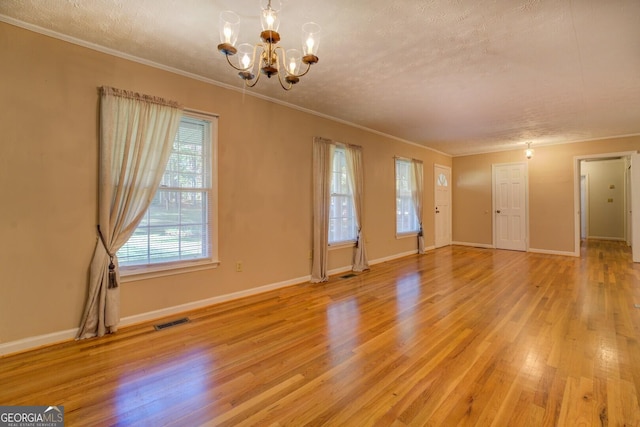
{"points": [[230, 63], [284, 64], [253, 58], [282, 59], [305, 72], [288, 86], [255, 81]]}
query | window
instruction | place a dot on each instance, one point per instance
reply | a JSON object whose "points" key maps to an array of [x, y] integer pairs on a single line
{"points": [[406, 218], [342, 216], [442, 180], [178, 228]]}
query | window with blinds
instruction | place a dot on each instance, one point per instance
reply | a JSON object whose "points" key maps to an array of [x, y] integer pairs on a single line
{"points": [[177, 227], [406, 218], [342, 216]]}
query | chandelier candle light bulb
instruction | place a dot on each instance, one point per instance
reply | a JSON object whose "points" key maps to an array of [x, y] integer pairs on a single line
{"points": [[227, 33], [271, 59], [269, 20], [310, 32], [246, 61], [229, 25]]}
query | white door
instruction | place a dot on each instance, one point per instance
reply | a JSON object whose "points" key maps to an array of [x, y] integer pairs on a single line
{"points": [[510, 206], [442, 178]]}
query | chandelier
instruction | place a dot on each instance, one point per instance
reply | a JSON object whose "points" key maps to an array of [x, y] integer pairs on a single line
{"points": [[269, 58], [529, 151]]}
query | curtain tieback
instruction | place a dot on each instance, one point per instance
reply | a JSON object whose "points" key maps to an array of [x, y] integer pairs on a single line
{"points": [[112, 268]]}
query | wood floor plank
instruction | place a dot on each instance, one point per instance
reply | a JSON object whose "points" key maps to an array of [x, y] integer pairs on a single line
{"points": [[458, 336]]}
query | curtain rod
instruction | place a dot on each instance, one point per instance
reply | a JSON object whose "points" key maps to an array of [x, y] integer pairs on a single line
{"points": [[203, 113], [338, 143], [346, 144], [407, 158]]}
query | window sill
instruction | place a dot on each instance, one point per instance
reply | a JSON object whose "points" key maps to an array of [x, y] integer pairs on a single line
{"points": [[340, 245], [132, 274], [405, 235]]}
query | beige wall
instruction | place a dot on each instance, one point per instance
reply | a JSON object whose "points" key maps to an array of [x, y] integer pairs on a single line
{"points": [[48, 185], [551, 192]]}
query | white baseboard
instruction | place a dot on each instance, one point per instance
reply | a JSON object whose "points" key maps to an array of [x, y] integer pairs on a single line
{"points": [[392, 257], [532, 250], [69, 334], [61, 336], [549, 252], [339, 270], [347, 268], [617, 239], [32, 343], [475, 245], [156, 314]]}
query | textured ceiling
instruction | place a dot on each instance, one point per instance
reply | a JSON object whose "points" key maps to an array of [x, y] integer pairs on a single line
{"points": [[459, 76]]}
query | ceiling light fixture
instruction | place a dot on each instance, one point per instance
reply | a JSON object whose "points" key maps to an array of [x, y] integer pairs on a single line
{"points": [[529, 151], [271, 59]]}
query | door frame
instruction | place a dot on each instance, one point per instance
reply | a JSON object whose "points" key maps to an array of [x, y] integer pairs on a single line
{"points": [[576, 191], [435, 202], [526, 202], [635, 206], [628, 197], [584, 197]]}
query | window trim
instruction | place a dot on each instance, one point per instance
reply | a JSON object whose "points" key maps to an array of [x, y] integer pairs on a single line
{"points": [[348, 242], [147, 271], [410, 233], [342, 244], [134, 273]]}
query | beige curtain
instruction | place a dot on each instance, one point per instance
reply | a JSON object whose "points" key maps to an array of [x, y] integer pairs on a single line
{"points": [[136, 138], [356, 182], [417, 184], [322, 155]]}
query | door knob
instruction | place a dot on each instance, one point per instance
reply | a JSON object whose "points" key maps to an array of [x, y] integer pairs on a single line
{"points": [[498, 211]]}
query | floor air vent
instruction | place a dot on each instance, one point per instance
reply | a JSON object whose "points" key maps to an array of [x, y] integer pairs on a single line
{"points": [[348, 276], [166, 325]]}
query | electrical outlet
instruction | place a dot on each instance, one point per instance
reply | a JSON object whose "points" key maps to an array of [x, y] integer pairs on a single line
{"points": [[238, 266]]}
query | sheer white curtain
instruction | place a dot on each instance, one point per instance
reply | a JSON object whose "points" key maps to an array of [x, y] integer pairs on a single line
{"points": [[136, 137], [417, 184], [322, 155], [356, 182]]}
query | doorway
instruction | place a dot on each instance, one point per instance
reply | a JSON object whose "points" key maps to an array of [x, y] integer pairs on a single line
{"points": [[630, 194], [603, 199]]}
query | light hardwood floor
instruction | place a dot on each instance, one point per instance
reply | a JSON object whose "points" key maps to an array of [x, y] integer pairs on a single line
{"points": [[459, 336]]}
